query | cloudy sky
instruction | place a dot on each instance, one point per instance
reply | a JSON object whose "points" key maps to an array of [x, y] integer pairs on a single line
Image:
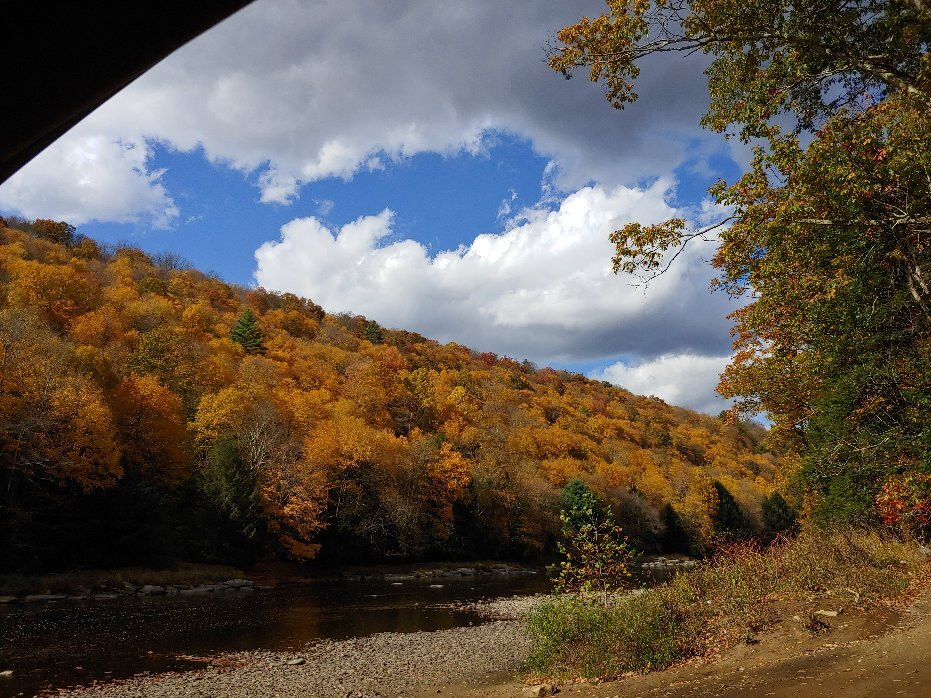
{"points": [[416, 162]]}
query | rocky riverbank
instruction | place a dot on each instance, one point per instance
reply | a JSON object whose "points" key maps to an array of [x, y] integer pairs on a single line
{"points": [[112, 591], [386, 664]]}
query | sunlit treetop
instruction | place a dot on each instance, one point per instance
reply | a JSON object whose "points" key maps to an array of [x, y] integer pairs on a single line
{"points": [[809, 58]]}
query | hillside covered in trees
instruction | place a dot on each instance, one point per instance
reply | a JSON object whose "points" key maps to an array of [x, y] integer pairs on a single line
{"points": [[150, 413]]}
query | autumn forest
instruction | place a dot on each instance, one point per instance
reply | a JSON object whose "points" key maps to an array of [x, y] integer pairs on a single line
{"points": [[151, 413]]}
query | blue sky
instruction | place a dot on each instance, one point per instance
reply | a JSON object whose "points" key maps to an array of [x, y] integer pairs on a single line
{"points": [[433, 174], [441, 200]]}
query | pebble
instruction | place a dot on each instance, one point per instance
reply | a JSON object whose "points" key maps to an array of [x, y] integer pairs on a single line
{"points": [[385, 664]]}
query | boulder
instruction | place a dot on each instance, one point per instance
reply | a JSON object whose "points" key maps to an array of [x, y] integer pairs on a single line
{"points": [[296, 661], [45, 597], [7, 599], [541, 690], [6, 674], [152, 590], [237, 583]]}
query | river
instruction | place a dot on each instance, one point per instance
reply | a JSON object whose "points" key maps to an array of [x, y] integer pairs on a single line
{"points": [[53, 645], [78, 642]]}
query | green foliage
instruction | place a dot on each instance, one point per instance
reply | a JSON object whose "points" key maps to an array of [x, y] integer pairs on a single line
{"points": [[573, 638], [727, 598], [807, 58], [778, 516], [373, 332], [827, 235], [248, 333], [597, 556], [230, 487], [54, 231], [729, 520]]}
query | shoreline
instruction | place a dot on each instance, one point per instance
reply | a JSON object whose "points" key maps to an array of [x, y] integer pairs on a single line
{"points": [[881, 646], [382, 664]]}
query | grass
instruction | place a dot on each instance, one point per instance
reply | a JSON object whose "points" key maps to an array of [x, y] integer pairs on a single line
{"points": [[102, 580], [726, 600]]}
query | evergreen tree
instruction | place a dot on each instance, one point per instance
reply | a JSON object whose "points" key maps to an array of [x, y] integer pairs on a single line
{"points": [[675, 535], [778, 516], [729, 520], [247, 333], [373, 332]]}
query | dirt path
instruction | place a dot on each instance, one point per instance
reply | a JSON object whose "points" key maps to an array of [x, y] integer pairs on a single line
{"points": [[880, 653]]}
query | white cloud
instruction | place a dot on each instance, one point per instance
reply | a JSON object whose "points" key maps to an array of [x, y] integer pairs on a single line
{"points": [[688, 380], [543, 289], [297, 91], [91, 177]]}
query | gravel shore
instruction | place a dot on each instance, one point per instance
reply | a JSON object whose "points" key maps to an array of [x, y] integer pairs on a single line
{"points": [[386, 664]]}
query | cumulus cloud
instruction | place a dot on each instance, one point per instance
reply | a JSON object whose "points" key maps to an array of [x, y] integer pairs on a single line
{"points": [[91, 177], [543, 289], [297, 91], [684, 379]]}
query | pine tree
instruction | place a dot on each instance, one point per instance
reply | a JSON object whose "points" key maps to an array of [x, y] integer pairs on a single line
{"points": [[247, 333], [729, 520], [778, 516], [675, 535], [373, 332]]}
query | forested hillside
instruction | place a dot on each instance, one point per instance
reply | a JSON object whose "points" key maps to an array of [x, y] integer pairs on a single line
{"points": [[150, 412]]}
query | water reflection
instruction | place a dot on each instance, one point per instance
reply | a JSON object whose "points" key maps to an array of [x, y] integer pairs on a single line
{"points": [[65, 643], [76, 642]]}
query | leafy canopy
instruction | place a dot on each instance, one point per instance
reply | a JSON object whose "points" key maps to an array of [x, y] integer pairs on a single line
{"points": [[827, 242]]}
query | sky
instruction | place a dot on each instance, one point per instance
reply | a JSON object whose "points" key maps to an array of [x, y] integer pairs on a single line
{"points": [[418, 163]]}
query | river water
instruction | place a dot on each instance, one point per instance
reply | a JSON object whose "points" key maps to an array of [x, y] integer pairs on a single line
{"points": [[53, 645], [77, 642]]}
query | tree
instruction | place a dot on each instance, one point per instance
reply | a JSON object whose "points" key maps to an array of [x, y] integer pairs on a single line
{"points": [[809, 58], [827, 242], [230, 486], [373, 332], [597, 557], [54, 231], [729, 520], [675, 533], [247, 333], [778, 516], [152, 428]]}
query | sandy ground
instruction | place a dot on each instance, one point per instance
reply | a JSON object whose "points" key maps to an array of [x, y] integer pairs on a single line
{"points": [[883, 652]]}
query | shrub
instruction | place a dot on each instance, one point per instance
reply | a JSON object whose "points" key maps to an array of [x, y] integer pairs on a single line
{"points": [[905, 503], [726, 599], [597, 557]]}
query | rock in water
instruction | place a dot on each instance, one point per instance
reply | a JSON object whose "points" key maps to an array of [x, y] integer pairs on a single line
{"points": [[237, 583], [152, 590], [45, 597]]}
